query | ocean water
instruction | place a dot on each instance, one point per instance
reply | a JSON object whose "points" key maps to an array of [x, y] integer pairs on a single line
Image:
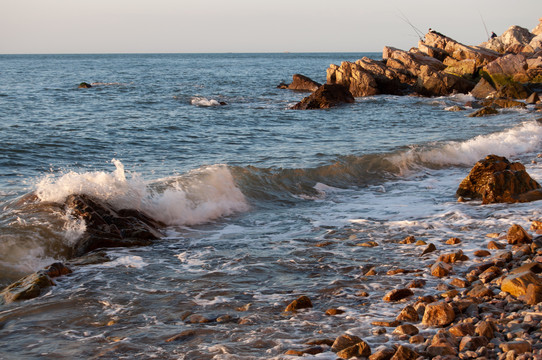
{"points": [[262, 203]]}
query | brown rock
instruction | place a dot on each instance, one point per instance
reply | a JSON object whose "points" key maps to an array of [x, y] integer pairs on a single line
{"points": [[361, 349], [303, 83], [441, 350], [453, 257], [437, 83], [490, 274], [518, 235], [535, 267], [494, 179], [406, 329], [417, 283], [511, 67], [327, 342], [416, 339], [482, 253], [303, 302], [472, 343], [532, 99], [536, 225], [503, 103], [486, 110], [486, 329], [397, 295], [438, 314], [441, 269], [408, 240], [534, 294], [429, 249], [462, 329], [327, 96], [386, 323], [384, 354], [483, 89], [345, 341], [480, 291], [84, 85], [310, 351], [492, 245], [404, 353], [461, 283], [520, 347], [332, 312], [408, 314], [453, 241], [371, 272], [516, 284]]}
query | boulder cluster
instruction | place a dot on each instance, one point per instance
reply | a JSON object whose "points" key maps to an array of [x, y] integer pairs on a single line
{"points": [[508, 66]]}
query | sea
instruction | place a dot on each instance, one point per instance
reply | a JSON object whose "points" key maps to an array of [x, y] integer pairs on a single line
{"points": [[262, 204]]}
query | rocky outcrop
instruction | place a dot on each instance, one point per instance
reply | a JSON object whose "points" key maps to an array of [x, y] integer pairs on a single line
{"points": [[110, 227], [32, 286], [303, 83], [327, 96], [514, 40], [495, 179]]}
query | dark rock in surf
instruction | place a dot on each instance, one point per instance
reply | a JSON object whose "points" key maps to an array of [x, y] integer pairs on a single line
{"points": [[302, 302], [109, 227], [31, 286], [497, 180], [483, 89], [327, 96], [84, 85], [303, 83], [488, 110]]}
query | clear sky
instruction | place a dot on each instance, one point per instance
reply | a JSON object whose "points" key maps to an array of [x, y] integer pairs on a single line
{"points": [[141, 26]]}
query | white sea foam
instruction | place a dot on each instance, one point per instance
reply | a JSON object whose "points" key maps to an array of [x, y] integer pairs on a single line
{"points": [[204, 102], [202, 195], [127, 261], [521, 139]]}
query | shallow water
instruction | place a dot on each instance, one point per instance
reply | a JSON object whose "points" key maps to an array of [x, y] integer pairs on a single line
{"points": [[262, 203]]}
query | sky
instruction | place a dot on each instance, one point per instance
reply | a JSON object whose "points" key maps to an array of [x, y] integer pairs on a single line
{"points": [[183, 26]]}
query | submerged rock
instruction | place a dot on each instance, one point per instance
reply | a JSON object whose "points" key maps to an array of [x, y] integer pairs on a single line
{"points": [[302, 302], [495, 180], [327, 96], [84, 85]]}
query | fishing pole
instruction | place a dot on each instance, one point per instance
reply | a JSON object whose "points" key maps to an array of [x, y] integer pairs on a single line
{"points": [[405, 19], [485, 27]]}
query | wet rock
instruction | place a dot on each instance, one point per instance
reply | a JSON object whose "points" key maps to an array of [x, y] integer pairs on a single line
{"points": [[485, 329], [327, 96], [485, 111], [302, 302], [408, 240], [438, 314], [386, 323], [397, 295], [472, 343], [453, 257], [441, 350], [384, 354], [310, 351], [461, 283], [494, 179], [406, 329], [408, 314], [327, 342], [482, 253], [404, 353], [503, 103], [490, 274], [462, 329], [483, 89], [31, 286], [441, 269], [492, 245], [480, 291], [361, 349], [417, 283], [429, 249], [516, 284], [532, 99], [84, 85], [416, 339], [453, 241], [197, 319], [518, 235], [333, 312], [109, 227], [303, 83], [345, 341], [512, 90], [533, 295]]}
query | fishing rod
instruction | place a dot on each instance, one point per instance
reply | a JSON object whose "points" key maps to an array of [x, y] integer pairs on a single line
{"points": [[419, 33], [485, 27]]}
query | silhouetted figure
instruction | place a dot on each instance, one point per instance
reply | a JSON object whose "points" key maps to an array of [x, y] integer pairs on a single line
{"points": [[493, 35]]}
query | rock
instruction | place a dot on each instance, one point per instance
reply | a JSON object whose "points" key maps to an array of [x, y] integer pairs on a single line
{"points": [[494, 179], [461, 283], [482, 253], [31, 286], [361, 349], [535, 267], [408, 314], [453, 241], [532, 99], [508, 68], [345, 341], [397, 295], [483, 89], [417, 283], [310, 351], [510, 39], [408, 240], [437, 83], [438, 314], [480, 291], [387, 323], [109, 227], [503, 103], [441, 350], [333, 312], [303, 83], [534, 294], [406, 329], [327, 96], [485, 329], [84, 85], [353, 77], [441, 269], [384, 354], [404, 353], [490, 274], [464, 68], [416, 339], [516, 284], [302, 302], [453, 257], [517, 235], [512, 90], [472, 343], [462, 329], [429, 249], [486, 110], [492, 245], [519, 347], [538, 29]]}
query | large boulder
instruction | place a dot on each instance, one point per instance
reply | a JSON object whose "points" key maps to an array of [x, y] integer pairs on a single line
{"points": [[438, 83], [353, 77], [512, 40], [303, 83], [110, 227], [538, 29], [508, 68], [495, 180], [483, 89], [327, 96]]}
